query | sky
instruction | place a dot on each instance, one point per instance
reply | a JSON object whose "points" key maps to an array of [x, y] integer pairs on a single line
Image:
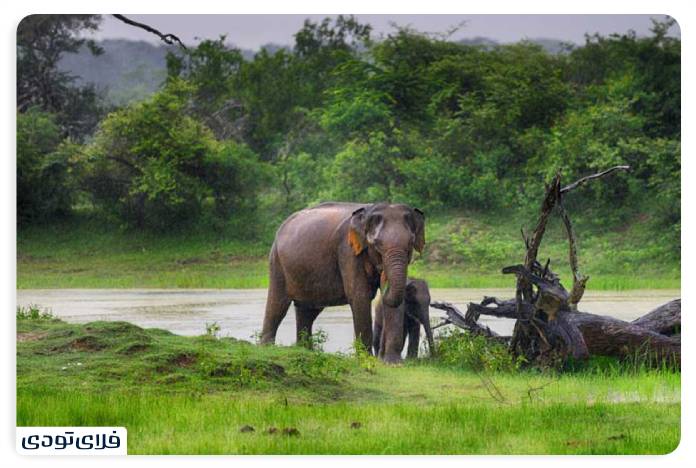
{"points": [[253, 31]]}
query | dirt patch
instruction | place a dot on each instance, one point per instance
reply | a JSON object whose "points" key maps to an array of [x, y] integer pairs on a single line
{"points": [[190, 261], [30, 336], [86, 343], [182, 360], [74, 270], [267, 369]]}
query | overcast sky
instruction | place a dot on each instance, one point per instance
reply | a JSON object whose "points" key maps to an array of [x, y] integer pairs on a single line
{"points": [[253, 31]]}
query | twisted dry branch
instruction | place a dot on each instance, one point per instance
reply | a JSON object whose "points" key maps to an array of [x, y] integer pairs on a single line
{"points": [[167, 38]]}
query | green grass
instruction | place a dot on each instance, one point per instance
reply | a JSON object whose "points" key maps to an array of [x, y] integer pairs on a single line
{"points": [[191, 395], [463, 250]]}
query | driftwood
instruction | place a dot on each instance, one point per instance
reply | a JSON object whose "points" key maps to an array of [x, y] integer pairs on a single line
{"points": [[548, 327]]}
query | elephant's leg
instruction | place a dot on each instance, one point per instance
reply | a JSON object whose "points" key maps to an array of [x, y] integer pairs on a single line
{"points": [[304, 318], [393, 333], [413, 330], [361, 307], [277, 304]]}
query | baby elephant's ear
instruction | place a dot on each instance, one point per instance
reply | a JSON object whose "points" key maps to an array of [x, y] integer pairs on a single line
{"points": [[356, 231], [420, 230]]}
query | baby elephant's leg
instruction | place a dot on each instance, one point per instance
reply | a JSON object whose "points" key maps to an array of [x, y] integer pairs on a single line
{"points": [[413, 330]]}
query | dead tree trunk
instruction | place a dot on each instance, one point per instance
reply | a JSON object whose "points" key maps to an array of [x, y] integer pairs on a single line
{"points": [[546, 335], [548, 329]]}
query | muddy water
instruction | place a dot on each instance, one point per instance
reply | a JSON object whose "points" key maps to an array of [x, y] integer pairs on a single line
{"points": [[239, 312]]}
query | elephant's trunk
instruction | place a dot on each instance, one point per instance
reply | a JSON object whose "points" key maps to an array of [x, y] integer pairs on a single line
{"points": [[394, 278]]}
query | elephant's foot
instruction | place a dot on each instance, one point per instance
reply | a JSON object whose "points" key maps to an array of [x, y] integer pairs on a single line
{"points": [[392, 358], [267, 340]]}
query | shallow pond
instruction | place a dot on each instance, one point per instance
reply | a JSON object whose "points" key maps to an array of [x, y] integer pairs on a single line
{"points": [[239, 312]]}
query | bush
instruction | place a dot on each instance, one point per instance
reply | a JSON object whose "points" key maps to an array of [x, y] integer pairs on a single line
{"points": [[429, 182], [362, 170], [43, 168], [155, 166], [461, 349], [234, 175], [34, 312]]}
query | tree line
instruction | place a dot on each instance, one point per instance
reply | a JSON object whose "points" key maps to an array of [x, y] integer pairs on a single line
{"points": [[409, 117]]}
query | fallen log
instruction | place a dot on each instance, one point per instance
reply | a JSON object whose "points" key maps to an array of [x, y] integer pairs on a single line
{"points": [[602, 335], [665, 320], [608, 336]]}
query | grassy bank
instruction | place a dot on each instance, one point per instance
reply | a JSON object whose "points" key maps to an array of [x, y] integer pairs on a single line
{"points": [[193, 395], [463, 250]]}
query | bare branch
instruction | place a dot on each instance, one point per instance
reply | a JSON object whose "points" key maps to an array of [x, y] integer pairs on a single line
{"points": [[167, 38], [588, 178], [579, 280]]}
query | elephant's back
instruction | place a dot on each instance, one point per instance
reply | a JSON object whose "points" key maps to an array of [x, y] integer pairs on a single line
{"points": [[315, 224], [306, 250]]}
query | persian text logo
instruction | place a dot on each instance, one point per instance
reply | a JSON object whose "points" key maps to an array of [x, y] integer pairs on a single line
{"points": [[72, 440]]}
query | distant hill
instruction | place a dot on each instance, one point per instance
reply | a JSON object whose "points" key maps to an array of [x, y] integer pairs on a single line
{"points": [[127, 70], [130, 71]]}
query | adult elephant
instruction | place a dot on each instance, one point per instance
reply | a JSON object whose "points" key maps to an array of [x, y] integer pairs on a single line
{"points": [[340, 253]]}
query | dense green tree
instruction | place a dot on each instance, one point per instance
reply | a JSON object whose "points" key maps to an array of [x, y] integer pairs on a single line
{"points": [[211, 69], [43, 168], [156, 166]]}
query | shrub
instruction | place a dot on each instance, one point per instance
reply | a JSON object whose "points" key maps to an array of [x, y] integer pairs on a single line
{"points": [[155, 165], [362, 170], [33, 312], [461, 349]]}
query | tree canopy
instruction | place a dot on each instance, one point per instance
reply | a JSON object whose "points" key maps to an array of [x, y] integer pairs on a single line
{"points": [[340, 115]]}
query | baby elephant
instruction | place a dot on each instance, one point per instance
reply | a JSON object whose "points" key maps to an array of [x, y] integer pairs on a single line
{"points": [[413, 312]]}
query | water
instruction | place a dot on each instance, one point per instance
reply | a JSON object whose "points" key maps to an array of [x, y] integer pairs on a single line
{"points": [[239, 312]]}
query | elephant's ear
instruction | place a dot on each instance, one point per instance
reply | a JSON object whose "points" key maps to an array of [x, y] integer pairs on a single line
{"points": [[356, 231], [420, 231]]}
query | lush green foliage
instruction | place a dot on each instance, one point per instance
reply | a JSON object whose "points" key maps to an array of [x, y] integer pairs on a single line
{"points": [[44, 185], [461, 349], [410, 117], [157, 166]]}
